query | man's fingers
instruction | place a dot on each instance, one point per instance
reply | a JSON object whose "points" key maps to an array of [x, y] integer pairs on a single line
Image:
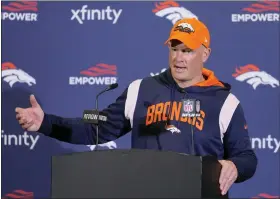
{"points": [[227, 177], [223, 171], [19, 110], [229, 182], [33, 101], [18, 116], [226, 174], [22, 120], [27, 125], [226, 187]]}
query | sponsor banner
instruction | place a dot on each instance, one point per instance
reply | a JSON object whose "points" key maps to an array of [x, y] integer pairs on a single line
{"points": [[86, 14], [77, 48], [261, 11], [20, 11], [100, 74], [19, 140]]}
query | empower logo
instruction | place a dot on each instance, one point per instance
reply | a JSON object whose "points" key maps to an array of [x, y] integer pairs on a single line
{"points": [[172, 11], [266, 143], [85, 14], [265, 10], [100, 74], [19, 140], [11, 74], [252, 75], [20, 11], [19, 194]]}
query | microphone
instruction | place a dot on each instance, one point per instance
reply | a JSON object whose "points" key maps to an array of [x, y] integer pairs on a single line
{"points": [[94, 116]]}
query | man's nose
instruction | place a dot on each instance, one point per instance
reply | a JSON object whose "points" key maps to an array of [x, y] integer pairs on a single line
{"points": [[179, 56]]}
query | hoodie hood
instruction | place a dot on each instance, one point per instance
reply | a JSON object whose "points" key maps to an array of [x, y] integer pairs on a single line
{"points": [[211, 82]]}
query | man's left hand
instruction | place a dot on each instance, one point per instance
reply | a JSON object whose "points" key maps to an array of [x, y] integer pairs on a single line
{"points": [[228, 175]]}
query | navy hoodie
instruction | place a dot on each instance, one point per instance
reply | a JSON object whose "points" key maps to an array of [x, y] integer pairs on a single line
{"points": [[150, 109]]}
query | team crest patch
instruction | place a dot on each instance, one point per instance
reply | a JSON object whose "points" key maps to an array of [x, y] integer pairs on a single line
{"points": [[184, 27], [172, 129]]}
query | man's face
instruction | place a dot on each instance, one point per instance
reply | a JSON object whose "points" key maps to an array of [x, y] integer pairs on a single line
{"points": [[186, 63]]}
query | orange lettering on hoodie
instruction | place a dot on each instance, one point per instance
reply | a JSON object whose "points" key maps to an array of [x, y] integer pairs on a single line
{"points": [[161, 111], [200, 121], [150, 115], [175, 110], [158, 112], [166, 107]]}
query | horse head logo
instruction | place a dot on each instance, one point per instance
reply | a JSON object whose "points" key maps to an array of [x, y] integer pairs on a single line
{"points": [[253, 76], [172, 11], [11, 75]]}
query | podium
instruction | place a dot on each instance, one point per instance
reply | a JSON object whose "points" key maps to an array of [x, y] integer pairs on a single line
{"points": [[135, 174]]}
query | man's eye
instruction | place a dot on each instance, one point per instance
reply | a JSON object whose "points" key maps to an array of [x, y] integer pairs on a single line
{"points": [[187, 50], [174, 49]]}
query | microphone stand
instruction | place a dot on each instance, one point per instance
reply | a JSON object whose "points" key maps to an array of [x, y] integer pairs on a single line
{"points": [[96, 108], [97, 123]]}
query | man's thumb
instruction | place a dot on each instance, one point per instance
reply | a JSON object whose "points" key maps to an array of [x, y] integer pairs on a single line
{"points": [[33, 101]]}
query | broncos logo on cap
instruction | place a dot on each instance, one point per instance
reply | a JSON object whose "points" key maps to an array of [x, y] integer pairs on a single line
{"points": [[253, 76], [184, 27], [11, 75], [172, 11]]}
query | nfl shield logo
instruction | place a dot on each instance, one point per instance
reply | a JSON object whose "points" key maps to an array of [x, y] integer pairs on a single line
{"points": [[188, 106]]}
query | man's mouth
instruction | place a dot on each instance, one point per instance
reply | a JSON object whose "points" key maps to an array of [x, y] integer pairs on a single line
{"points": [[180, 69]]}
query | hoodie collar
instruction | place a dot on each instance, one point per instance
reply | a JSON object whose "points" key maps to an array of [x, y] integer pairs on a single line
{"points": [[210, 80]]}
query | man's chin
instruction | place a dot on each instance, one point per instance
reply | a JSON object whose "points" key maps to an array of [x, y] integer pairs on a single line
{"points": [[181, 77]]}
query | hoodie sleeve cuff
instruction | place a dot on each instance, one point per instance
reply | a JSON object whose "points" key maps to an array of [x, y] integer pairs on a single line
{"points": [[46, 126]]}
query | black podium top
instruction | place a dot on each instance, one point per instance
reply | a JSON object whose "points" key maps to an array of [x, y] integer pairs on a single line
{"points": [[135, 174]]}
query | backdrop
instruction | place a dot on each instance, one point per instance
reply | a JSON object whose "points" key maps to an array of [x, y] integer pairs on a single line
{"points": [[51, 49]]}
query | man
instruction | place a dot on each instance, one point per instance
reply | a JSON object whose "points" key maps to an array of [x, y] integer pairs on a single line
{"points": [[152, 108]]}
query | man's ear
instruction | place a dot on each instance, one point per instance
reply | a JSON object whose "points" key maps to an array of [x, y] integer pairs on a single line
{"points": [[206, 54], [169, 44]]}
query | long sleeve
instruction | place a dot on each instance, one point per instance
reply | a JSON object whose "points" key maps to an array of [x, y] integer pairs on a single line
{"points": [[238, 146], [75, 131]]}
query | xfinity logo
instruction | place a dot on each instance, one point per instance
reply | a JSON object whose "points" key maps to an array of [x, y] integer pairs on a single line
{"points": [[25, 140], [96, 14], [268, 142]]}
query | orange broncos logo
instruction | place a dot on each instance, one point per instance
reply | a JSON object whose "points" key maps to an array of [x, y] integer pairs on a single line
{"points": [[252, 75], [172, 11], [11, 74]]}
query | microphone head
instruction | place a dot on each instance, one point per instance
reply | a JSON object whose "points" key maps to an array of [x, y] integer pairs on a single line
{"points": [[113, 86]]}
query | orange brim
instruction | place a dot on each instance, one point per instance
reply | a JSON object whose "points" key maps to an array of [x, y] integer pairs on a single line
{"points": [[186, 39]]}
